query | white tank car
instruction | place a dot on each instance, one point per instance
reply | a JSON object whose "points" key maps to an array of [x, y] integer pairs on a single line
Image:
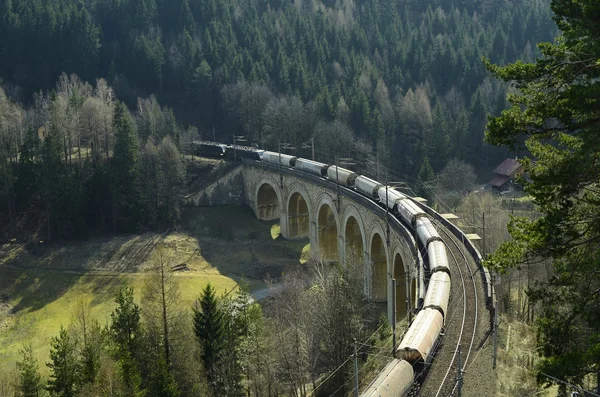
{"points": [[393, 197], [341, 175], [275, 158], [421, 336], [409, 211], [312, 167], [437, 256], [438, 293], [426, 231], [367, 186], [395, 380]]}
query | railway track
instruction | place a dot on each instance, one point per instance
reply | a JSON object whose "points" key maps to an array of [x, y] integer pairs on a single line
{"points": [[463, 324]]}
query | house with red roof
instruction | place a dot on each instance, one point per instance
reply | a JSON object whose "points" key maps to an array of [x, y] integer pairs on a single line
{"points": [[504, 176]]}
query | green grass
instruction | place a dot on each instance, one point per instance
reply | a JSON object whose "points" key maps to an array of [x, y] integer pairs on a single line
{"points": [[40, 290]]}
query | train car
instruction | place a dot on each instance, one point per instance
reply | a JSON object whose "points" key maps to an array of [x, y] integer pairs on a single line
{"points": [[421, 336], [437, 257], [409, 211], [311, 167], [209, 149], [276, 158], [422, 290], [390, 198], [438, 293], [426, 232], [368, 186], [395, 380], [238, 152], [341, 175]]}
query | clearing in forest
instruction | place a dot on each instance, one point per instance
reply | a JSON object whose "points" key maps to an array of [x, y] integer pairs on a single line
{"points": [[41, 287]]}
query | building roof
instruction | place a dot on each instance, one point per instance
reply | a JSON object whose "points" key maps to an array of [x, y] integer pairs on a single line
{"points": [[508, 167], [499, 180]]}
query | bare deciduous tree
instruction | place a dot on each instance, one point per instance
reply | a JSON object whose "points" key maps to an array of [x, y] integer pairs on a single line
{"points": [[160, 298]]}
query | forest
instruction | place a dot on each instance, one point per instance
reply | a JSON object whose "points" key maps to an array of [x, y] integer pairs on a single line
{"points": [[365, 79], [99, 100]]}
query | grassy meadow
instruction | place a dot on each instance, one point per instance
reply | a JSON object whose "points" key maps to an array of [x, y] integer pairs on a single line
{"points": [[41, 287]]}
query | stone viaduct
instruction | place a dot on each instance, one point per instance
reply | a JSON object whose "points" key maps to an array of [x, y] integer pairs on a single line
{"points": [[342, 226]]}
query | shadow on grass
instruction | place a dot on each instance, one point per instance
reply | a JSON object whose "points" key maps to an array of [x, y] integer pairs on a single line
{"points": [[232, 240], [31, 290]]}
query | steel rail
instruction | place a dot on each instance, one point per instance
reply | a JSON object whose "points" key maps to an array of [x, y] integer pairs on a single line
{"points": [[464, 284]]}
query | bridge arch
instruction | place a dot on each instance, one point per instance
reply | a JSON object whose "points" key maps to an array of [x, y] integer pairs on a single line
{"points": [[299, 212], [327, 229], [379, 259], [354, 236], [402, 277], [268, 200]]}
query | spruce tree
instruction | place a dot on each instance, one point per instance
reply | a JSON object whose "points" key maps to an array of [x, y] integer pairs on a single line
{"points": [[555, 113], [30, 380], [209, 327], [126, 334], [124, 170], [64, 367]]}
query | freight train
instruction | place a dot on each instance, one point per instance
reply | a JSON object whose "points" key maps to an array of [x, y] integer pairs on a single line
{"points": [[420, 340]]}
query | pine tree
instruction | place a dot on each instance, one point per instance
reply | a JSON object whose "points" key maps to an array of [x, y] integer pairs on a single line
{"points": [[30, 380], [171, 176], [52, 178], [64, 367], [126, 334], [162, 383], [125, 322], [555, 113], [209, 327], [124, 169]]}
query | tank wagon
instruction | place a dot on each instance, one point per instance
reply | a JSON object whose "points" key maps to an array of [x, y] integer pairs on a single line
{"points": [[426, 232], [342, 176], [423, 333], [312, 167], [368, 187], [279, 158], [395, 380], [420, 339]]}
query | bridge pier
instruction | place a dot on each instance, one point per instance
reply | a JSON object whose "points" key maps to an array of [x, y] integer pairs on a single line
{"points": [[353, 232]]}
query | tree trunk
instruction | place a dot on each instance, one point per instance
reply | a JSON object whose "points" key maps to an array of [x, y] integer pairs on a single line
{"points": [[164, 314], [66, 150]]}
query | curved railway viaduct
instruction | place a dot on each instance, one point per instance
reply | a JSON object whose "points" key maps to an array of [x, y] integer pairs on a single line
{"points": [[343, 225]]}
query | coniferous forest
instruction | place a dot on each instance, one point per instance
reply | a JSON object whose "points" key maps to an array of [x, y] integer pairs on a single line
{"points": [[100, 99], [402, 80]]}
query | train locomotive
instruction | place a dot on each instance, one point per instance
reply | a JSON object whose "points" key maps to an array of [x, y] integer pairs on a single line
{"points": [[422, 336]]}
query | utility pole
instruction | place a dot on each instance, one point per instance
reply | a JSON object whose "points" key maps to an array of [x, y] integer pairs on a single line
{"points": [[394, 336], [280, 170], [281, 146], [484, 242], [337, 185], [214, 135], [387, 214], [338, 161], [495, 320], [311, 146], [355, 370], [459, 378], [237, 138]]}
